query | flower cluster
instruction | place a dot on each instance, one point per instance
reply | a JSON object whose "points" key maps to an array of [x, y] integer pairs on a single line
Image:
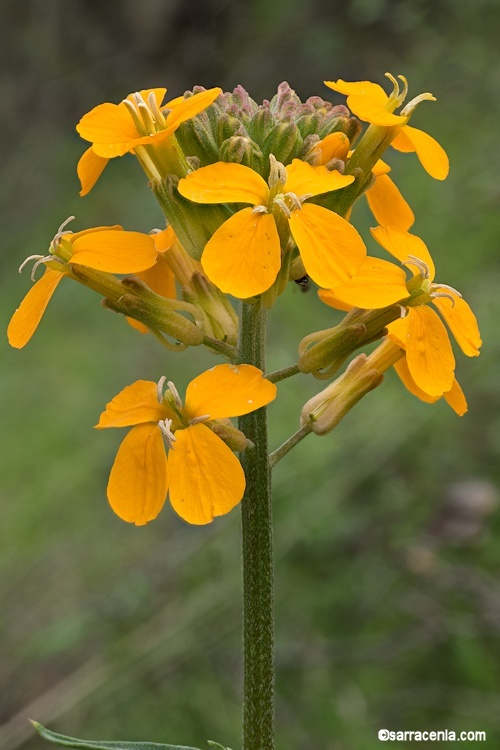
{"points": [[254, 197]]}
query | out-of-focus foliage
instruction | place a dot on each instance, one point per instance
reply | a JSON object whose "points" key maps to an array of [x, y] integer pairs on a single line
{"points": [[388, 591]]}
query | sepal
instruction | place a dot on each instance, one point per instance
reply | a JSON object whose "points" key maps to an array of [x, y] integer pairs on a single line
{"points": [[60, 739]]}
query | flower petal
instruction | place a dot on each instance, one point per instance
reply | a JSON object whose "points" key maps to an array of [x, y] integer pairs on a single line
{"points": [[397, 331], [358, 88], [461, 321], [138, 482], [332, 250], [89, 169], [304, 179], [136, 404], [26, 318], [377, 283], [186, 108], [228, 391], [159, 94], [403, 244], [431, 155], [401, 367], [160, 279], [224, 183], [329, 298], [108, 124], [428, 351], [388, 205], [206, 478], [333, 146], [381, 167], [456, 399], [373, 111], [243, 257], [114, 251]]}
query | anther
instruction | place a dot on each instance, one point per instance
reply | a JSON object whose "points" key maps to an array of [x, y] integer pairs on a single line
{"points": [[403, 311], [395, 91], [404, 92], [157, 114], [282, 204], [165, 425], [159, 388], [61, 232], [39, 260], [414, 261], [175, 393], [416, 101], [446, 286], [30, 257], [260, 210], [278, 172], [197, 420], [295, 200], [443, 294]]}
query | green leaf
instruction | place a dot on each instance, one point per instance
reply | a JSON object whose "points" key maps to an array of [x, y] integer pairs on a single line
{"points": [[217, 745], [60, 739]]}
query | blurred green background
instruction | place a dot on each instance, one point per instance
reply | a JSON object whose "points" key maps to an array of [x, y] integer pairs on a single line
{"points": [[387, 551]]}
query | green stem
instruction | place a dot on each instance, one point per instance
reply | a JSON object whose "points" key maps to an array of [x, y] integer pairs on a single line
{"points": [[258, 583], [286, 372], [226, 350], [287, 446]]}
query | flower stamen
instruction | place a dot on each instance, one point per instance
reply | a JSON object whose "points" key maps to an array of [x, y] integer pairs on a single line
{"points": [[165, 425], [443, 294], [197, 420], [446, 286], [412, 260], [175, 393], [159, 388]]}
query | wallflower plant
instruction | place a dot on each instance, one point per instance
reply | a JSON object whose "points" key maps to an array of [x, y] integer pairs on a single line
{"points": [[255, 197]]}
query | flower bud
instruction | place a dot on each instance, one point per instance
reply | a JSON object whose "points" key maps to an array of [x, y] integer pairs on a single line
{"points": [[213, 302], [233, 438], [324, 411], [242, 150], [284, 142]]}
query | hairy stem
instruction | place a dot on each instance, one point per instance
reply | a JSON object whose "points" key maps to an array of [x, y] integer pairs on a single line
{"points": [[286, 372], [287, 446]]}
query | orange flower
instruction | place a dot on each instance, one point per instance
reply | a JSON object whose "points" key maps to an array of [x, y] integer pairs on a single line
{"points": [[108, 249], [139, 120], [369, 102], [243, 257], [202, 475], [421, 333]]}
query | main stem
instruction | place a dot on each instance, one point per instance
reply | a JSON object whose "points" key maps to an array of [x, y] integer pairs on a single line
{"points": [[257, 537]]}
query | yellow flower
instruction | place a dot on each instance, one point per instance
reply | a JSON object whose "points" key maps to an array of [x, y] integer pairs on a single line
{"points": [[421, 333], [108, 249], [138, 121], [369, 102], [243, 257], [202, 475]]}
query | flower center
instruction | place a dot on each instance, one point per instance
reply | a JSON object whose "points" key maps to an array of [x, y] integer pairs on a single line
{"points": [[147, 115]]}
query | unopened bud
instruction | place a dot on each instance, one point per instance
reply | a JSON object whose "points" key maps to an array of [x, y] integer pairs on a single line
{"points": [[324, 411], [221, 314], [261, 124], [242, 150], [284, 141], [233, 438]]}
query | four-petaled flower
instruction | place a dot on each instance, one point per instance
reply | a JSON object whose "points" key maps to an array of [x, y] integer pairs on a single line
{"points": [[421, 333], [108, 249], [243, 257], [369, 102], [202, 475], [139, 120]]}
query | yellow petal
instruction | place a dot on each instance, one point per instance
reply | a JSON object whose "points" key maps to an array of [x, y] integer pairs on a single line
{"points": [[432, 156], [403, 244], [160, 278], [428, 351], [329, 298], [373, 111], [224, 183], [25, 320], [206, 478], [359, 88], [164, 240], [136, 404], [332, 250], [398, 331], [402, 370], [304, 179], [138, 482], [89, 169], [108, 124], [456, 399], [461, 321], [378, 283], [114, 251], [243, 257], [186, 108], [380, 167], [333, 146], [228, 391], [388, 205]]}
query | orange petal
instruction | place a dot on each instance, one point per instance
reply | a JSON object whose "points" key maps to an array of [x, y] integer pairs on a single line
{"points": [[328, 297], [186, 108], [432, 156], [428, 351], [404, 373], [159, 94], [136, 404], [206, 478], [89, 169], [378, 283], [224, 183], [380, 167], [359, 88], [461, 321], [456, 399], [114, 251], [138, 482], [373, 111], [25, 320], [388, 205], [160, 278], [403, 244], [243, 257], [108, 124], [398, 331], [333, 146], [332, 250], [304, 179], [228, 391], [164, 240]]}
